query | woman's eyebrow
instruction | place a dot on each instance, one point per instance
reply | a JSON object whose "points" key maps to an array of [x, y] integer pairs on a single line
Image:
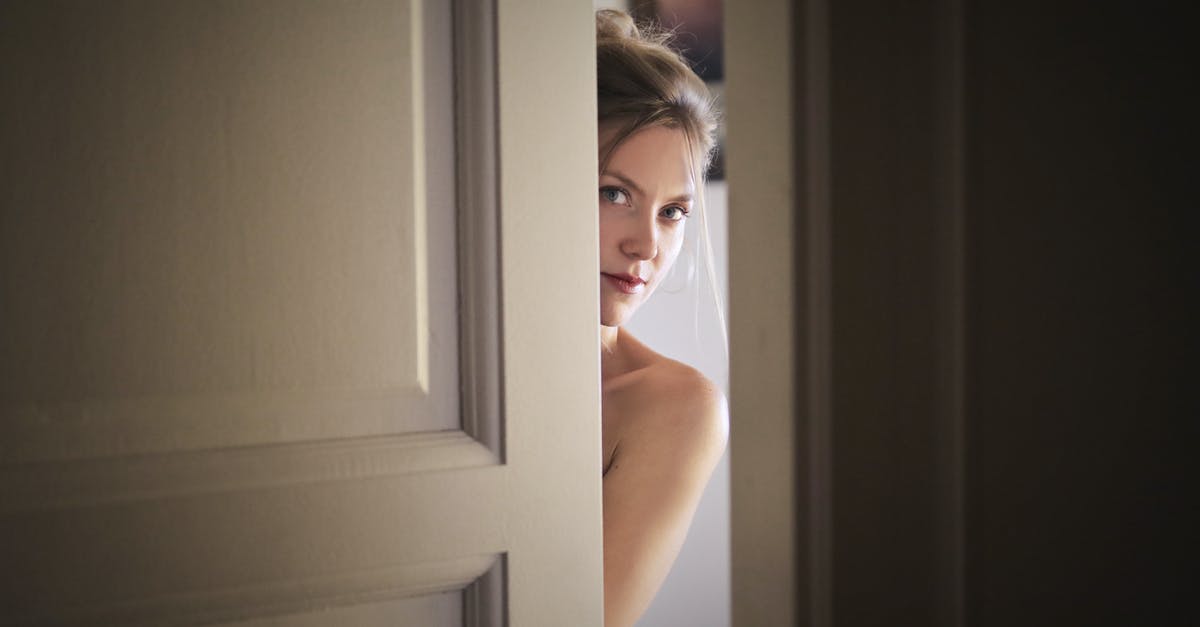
{"points": [[634, 186]]}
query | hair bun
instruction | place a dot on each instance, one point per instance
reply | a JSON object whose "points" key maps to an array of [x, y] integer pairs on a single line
{"points": [[611, 24]]}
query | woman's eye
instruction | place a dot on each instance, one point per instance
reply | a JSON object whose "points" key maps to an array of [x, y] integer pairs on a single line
{"points": [[614, 195], [674, 214]]}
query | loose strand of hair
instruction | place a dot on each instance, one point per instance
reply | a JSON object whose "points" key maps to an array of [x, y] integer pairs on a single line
{"points": [[701, 176]]}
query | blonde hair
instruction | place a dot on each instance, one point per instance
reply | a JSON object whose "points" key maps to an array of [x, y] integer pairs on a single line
{"points": [[642, 82]]}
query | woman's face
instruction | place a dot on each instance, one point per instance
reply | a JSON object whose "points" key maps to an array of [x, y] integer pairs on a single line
{"points": [[646, 195]]}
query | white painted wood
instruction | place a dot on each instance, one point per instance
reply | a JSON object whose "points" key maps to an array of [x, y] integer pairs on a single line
{"points": [[550, 290], [478, 237], [105, 480], [423, 610], [760, 172], [780, 318], [229, 317], [219, 233]]}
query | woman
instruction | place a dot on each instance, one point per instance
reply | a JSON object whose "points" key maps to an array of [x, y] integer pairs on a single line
{"points": [[664, 424]]}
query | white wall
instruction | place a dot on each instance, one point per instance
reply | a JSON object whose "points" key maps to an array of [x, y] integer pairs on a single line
{"points": [[697, 590]]}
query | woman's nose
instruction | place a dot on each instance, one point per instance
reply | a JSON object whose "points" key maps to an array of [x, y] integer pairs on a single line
{"points": [[641, 240]]}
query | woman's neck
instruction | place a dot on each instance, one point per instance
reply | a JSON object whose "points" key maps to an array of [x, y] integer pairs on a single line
{"points": [[608, 336], [620, 353], [611, 355]]}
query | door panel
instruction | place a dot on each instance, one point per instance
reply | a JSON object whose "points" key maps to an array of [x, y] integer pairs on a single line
{"points": [[242, 243], [218, 229], [422, 610]]}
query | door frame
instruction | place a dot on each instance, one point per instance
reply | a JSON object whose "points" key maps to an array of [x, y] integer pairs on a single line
{"points": [[807, 463]]}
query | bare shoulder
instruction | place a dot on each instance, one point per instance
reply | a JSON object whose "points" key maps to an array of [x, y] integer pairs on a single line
{"points": [[670, 424], [682, 393], [669, 406]]}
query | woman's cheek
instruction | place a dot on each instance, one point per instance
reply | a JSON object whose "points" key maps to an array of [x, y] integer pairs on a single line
{"points": [[676, 244]]}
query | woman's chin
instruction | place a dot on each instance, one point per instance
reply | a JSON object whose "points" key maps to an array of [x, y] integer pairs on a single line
{"points": [[614, 317], [611, 322]]}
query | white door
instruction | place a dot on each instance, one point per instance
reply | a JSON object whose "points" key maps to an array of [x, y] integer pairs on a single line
{"points": [[298, 313]]}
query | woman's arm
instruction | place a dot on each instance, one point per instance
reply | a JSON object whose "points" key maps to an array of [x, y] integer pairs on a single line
{"points": [[651, 491]]}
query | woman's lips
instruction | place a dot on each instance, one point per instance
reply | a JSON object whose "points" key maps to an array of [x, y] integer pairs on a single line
{"points": [[626, 286]]}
